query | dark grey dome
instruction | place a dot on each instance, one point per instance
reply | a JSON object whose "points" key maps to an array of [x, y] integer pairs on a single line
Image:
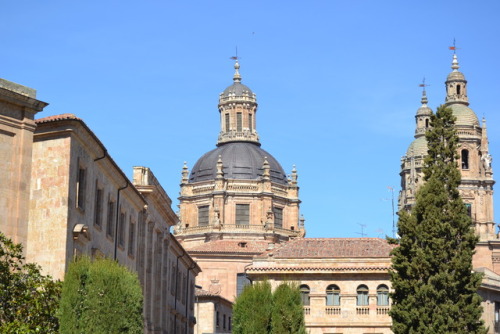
{"points": [[237, 89], [240, 160]]}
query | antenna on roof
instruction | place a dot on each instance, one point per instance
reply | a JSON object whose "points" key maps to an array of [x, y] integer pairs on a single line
{"points": [[363, 234]]}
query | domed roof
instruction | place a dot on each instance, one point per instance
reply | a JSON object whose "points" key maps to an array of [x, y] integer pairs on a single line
{"points": [[455, 75], [417, 147], [424, 111], [237, 89], [240, 160], [464, 114]]}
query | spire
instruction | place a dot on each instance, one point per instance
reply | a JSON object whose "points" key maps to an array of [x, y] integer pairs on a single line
{"points": [[185, 174], [484, 138], [454, 63], [423, 115], [237, 76]]}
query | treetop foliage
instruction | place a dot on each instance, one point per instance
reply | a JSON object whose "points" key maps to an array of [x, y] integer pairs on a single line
{"points": [[28, 299], [435, 288], [100, 296], [257, 310]]}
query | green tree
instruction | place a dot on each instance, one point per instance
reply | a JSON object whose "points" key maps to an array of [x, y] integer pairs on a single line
{"points": [[435, 288], [257, 310], [252, 309], [28, 299], [287, 316], [100, 296]]}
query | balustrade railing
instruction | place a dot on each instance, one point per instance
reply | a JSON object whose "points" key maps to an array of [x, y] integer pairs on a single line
{"points": [[383, 310], [307, 310], [332, 310], [362, 310]]}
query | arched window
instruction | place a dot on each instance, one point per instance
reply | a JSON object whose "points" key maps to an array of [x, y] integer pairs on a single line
{"points": [[362, 298], [382, 295], [465, 159], [304, 294], [426, 123], [458, 89], [332, 295]]}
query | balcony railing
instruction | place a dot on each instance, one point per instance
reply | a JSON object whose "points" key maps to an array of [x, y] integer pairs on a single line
{"points": [[383, 310], [333, 310], [362, 310], [235, 228]]}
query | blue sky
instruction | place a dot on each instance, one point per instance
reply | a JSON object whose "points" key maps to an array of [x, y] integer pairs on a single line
{"points": [[336, 82]]}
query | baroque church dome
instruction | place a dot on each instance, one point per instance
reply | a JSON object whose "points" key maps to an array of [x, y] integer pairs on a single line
{"points": [[238, 146], [240, 160]]}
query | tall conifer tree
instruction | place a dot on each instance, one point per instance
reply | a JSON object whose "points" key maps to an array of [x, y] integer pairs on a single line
{"points": [[435, 288]]}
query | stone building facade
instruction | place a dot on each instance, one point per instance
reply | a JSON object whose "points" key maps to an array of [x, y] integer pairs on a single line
{"points": [[66, 196], [476, 187]]}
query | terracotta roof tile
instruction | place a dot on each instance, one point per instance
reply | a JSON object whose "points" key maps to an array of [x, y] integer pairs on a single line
{"points": [[231, 246], [57, 118], [332, 248]]}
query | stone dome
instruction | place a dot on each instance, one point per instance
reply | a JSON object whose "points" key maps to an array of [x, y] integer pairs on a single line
{"points": [[417, 147], [237, 89], [455, 75], [424, 110], [465, 115], [240, 160]]}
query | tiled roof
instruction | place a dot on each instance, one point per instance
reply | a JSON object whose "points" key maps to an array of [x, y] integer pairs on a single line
{"points": [[332, 248], [231, 246], [295, 269], [60, 117], [200, 293]]}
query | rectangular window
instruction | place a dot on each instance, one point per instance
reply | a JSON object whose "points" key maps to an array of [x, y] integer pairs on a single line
{"points": [[227, 123], [250, 122], [241, 281], [497, 317], [98, 206], [131, 237], [242, 214], [223, 321], [80, 188], [469, 209], [278, 217], [173, 274], [203, 215], [111, 218], [239, 122], [229, 323], [121, 230], [217, 322]]}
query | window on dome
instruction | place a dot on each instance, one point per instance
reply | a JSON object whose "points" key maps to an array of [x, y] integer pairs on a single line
{"points": [[239, 122], [250, 121], [362, 295], [242, 214], [427, 123], [203, 215], [332, 295], [227, 122], [458, 89], [465, 159], [382, 295]]}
